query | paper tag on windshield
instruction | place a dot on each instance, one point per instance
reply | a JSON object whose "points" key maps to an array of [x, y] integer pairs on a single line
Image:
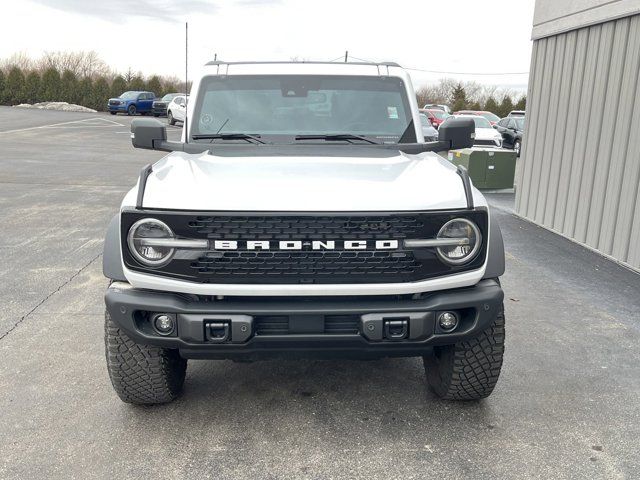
{"points": [[392, 112]]}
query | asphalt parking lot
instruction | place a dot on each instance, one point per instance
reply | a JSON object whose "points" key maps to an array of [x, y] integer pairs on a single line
{"points": [[567, 404]]}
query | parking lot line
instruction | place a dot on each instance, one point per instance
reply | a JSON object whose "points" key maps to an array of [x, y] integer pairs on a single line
{"points": [[67, 125]]}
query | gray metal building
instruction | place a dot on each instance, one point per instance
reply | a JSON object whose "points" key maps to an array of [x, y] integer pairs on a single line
{"points": [[580, 168]]}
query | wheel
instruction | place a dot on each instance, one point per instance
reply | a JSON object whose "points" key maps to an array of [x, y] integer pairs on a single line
{"points": [[112, 113], [468, 370], [131, 110], [156, 114], [516, 146], [170, 119], [142, 374]]}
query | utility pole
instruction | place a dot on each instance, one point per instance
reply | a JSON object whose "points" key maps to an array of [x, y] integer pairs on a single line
{"points": [[346, 56]]}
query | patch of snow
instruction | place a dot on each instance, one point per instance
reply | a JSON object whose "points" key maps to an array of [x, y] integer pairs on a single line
{"points": [[63, 106]]}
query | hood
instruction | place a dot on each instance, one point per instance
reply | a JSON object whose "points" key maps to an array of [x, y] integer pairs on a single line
{"points": [[335, 179], [487, 134]]}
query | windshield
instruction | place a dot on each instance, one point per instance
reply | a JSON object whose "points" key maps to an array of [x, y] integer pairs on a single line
{"points": [[480, 122], [424, 120], [519, 123], [490, 116], [169, 96], [284, 106], [439, 114], [129, 95]]}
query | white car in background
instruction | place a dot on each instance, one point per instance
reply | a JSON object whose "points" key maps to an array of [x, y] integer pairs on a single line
{"points": [[486, 135], [177, 109], [430, 134]]}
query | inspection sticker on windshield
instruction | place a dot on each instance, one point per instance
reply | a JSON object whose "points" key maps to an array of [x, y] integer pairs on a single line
{"points": [[392, 112]]}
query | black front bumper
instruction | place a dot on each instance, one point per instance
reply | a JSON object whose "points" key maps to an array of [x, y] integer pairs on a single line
{"points": [[160, 110], [310, 326]]}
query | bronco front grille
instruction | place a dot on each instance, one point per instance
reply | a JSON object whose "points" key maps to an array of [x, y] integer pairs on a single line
{"points": [[305, 266]]}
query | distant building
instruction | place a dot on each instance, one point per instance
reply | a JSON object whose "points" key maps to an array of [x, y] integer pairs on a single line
{"points": [[580, 170]]}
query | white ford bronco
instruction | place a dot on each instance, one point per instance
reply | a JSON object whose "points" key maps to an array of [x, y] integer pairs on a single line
{"points": [[303, 214]]}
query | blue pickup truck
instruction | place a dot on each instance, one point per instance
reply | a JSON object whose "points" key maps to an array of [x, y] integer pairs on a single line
{"points": [[132, 103]]}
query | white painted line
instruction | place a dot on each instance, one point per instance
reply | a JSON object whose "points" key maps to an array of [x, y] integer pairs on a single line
{"points": [[64, 123]]}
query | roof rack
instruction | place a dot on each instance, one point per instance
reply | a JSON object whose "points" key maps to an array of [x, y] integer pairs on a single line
{"points": [[220, 62]]}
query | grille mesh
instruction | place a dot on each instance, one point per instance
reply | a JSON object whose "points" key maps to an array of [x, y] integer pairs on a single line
{"points": [[301, 228], [306, 264]]}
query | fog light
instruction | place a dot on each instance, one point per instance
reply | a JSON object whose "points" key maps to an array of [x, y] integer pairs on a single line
{"points": [[163, 324], [448, 321]]}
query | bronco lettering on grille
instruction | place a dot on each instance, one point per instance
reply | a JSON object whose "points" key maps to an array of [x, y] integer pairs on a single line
{"points": [[305, 245]]}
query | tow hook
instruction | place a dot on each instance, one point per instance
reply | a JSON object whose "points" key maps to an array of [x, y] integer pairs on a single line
{"points": [[396, 329], [217, 332]]}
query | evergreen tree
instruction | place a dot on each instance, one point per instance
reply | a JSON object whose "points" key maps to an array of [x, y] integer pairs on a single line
{"points": [[136, 83], [458, 98], [522, 104], [118, 86], [505, 106], [491, 105], [154, 85], [474, 106], [14, 86], [32, 87], [2, 86], [85, 92], [100, 94], [50, 91], [69, 87]]}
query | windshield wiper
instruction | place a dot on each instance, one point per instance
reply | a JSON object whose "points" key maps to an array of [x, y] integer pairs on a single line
{"points": [[230, 136], [337, 137]]}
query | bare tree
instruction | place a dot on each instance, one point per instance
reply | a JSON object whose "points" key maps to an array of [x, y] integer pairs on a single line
{"points": [[20, 60], [82, 64]]}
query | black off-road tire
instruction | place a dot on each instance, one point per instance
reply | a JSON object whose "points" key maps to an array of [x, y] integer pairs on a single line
{"points": [[170, 119], [142, 374], [468, 370], [113, 113], [132, 110]]}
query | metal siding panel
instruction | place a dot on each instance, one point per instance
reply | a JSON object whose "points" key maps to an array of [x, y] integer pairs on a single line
{"points": [[531, 91], [532, 139], [535, 140], [625, 239], [536, 158], [569, 143], [553, 113], [582, 132], [556, 162], [618, 117], [600, 132]]}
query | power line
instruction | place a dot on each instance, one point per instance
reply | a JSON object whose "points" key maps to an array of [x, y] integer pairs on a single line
{"points": [[442, 72], [464, 73]]}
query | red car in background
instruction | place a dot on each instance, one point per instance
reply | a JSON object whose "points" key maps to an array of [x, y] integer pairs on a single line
{"points": [[493, 118], [436, 117]]}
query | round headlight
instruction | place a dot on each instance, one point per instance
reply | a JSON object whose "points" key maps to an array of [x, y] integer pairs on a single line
{"points": [[470, 240], [141, 242]]}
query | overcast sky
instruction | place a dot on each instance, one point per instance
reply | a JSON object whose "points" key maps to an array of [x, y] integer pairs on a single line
{"points": [[480, 36]]}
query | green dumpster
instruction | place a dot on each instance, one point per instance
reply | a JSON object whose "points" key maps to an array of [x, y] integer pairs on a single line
{"points": [[488, 167]]}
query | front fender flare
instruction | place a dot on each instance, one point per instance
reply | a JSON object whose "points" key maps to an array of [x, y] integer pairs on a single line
{"points": [[112, 253]]}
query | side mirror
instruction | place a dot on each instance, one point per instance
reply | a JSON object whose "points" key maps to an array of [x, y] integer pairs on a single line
{"points": [[148, 133], [458, 133]]}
